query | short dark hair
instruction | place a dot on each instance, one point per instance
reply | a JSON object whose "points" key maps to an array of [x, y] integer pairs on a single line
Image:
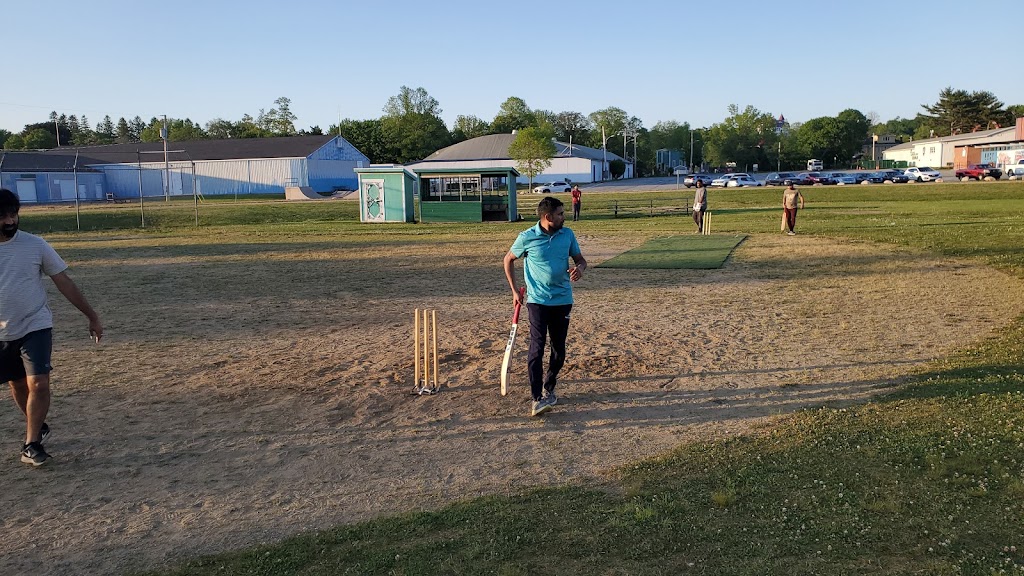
{"points": [[548, 206], [9, 202]]}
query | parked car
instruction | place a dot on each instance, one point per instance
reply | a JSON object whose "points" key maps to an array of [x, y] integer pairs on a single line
{"points": [[691, 180], [723, 179], [799, 180], [922, 174], [873, 178], [818, 178], [895, 176], [779, 178], [843, 178], [741, 181], [552, 187], [1014, 171]]}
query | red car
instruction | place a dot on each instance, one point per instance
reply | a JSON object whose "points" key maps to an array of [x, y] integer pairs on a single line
{"points": [[818, 178]]}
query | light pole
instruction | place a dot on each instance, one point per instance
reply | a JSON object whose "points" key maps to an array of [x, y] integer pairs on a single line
{"points": [[167, 166], [778, 164], [604, 150]]}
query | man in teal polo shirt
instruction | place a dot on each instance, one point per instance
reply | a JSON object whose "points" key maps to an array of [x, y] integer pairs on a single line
{"points": [[547, 248]]}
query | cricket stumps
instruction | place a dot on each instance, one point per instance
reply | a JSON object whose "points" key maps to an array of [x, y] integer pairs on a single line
{"points": [[425, 349]]}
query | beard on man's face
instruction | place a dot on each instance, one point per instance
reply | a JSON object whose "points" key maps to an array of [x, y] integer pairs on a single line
{"points": [[9, 230]]}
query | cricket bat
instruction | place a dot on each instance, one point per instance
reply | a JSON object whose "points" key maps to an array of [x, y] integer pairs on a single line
{"points": [[507, 361]]}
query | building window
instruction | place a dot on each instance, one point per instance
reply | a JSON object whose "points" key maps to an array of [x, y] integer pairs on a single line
{"points": [[494, 185], [931, 150]]}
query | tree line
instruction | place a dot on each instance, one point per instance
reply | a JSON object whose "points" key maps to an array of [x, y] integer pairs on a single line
{"points": [[411, 128], [64, 130]]}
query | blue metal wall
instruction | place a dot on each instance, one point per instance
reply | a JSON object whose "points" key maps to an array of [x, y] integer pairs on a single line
{"points": [[329, 175], [213, 177], [91, 185], [339, 149], [332, 167], [329, 168]]}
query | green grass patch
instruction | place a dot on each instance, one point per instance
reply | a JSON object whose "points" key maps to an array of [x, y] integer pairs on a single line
{"points": [[694, 251]]}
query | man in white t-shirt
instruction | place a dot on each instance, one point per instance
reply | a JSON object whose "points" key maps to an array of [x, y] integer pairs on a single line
{"points": [[26, 324]]}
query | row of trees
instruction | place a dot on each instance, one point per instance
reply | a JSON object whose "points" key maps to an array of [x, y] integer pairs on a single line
{"points": [[956, 112], [411, 128], [64, 130]]}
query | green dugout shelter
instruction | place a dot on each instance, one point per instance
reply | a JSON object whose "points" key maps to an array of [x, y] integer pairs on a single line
{"points": [[389, 194]]}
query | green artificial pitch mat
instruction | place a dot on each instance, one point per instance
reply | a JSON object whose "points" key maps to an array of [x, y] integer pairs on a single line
{"points": [[693, 251]]}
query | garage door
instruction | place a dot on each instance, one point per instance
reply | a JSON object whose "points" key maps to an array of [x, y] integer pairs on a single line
{"points": [[67, 189], [26, 190]]}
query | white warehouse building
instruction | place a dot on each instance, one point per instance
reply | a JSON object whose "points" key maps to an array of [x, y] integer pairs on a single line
{"points": [[940, 152], [574, 163]]}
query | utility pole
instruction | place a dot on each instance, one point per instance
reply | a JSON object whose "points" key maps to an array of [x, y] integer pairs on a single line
{"points": [[56, 130], [778, 166], [633, 133]]}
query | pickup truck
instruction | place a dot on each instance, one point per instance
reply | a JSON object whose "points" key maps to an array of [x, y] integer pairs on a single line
{"points": [[1015, 171], [978, 172]]}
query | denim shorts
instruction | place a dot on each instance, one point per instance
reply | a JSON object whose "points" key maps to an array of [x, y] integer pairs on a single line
{"points": [[26, 356]]}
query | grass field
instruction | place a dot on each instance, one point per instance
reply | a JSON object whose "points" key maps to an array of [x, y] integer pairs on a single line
{"points": [[929, 480]]}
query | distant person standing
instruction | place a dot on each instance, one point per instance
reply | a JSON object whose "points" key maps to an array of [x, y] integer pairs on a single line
{"points": [[700, 204], [26, 324], [791, 199], [576, 201], [547, 248]]}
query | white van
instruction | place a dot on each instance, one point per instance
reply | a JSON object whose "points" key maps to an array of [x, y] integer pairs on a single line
{"points": [[814, 165]]}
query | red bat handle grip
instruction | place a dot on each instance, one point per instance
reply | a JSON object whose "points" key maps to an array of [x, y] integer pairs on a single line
{"points": [[515, 314]]}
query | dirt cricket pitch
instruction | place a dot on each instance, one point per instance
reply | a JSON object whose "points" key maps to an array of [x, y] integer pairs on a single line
{"points": [[250, 390]]}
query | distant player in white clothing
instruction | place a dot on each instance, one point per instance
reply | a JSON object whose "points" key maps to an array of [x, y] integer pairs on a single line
{"points": [[26, 324]]}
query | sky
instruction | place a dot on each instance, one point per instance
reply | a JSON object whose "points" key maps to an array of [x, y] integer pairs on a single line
{"points": [[659, 61]]}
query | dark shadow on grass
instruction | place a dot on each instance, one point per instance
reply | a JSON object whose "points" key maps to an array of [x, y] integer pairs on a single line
{"points": [[962, 382], [755, 371]]}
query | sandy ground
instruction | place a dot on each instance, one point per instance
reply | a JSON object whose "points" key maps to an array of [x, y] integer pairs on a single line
{"points": [[247, 392]]}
